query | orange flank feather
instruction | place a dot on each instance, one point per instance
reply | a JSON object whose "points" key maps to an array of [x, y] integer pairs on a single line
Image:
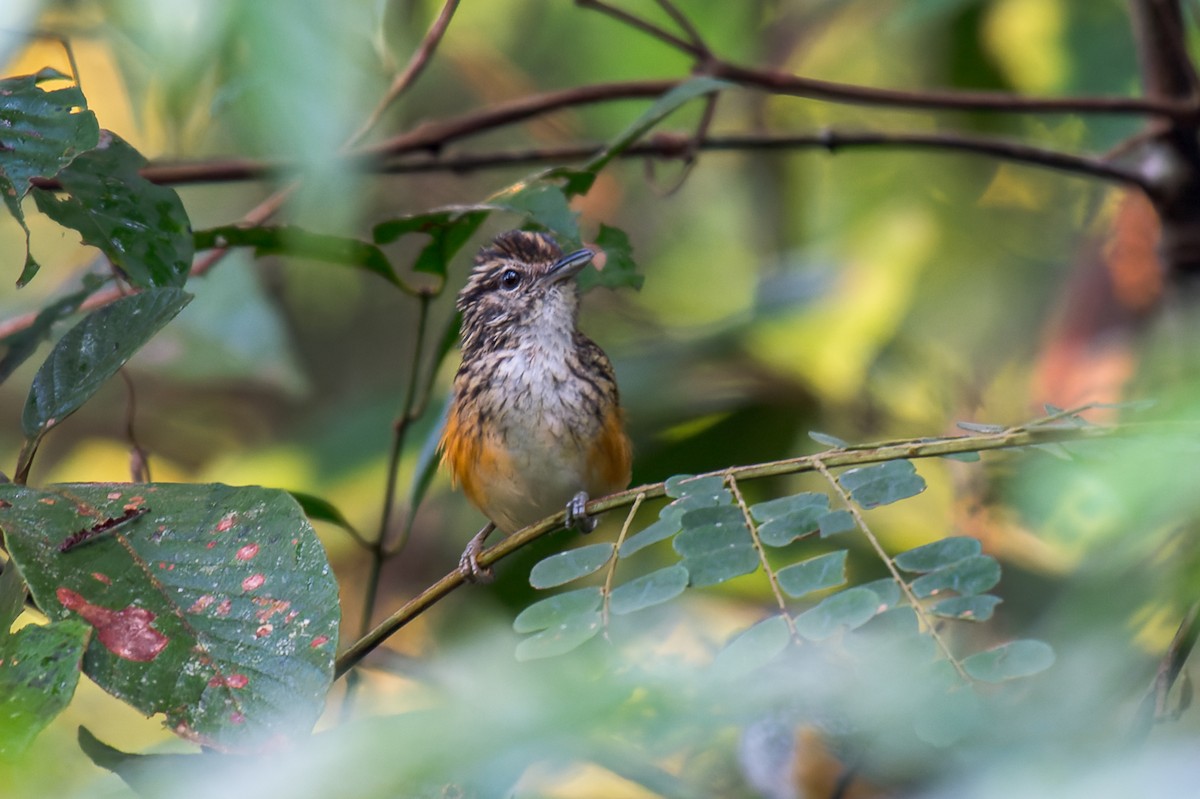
{"points": [[611, 456]]}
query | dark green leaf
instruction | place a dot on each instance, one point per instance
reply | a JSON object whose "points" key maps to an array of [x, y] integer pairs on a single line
{"points": [[967, 608], [847, 609], [40, 132], [753, 648], [561, 638], [708, 530], [940, 553], [141, 227], [685, 485], [24, 343], [783, 530], [558, 609], [570, 565], [836, 522], [711, 568], [318, 509], [92, 351], [448, 230], [661, 530], [546, 207], [694, 501], [300, 243], [872, 486], [1010, 661], [39, 669], [662, 108], [773, 509], [619, 268], [967, 577], [826, 439], [215, 607], [814, 574], [649, 589], [12, 597]]}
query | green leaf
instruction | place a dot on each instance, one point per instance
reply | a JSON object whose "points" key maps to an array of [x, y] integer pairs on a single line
{"points": [[23, 343], [661, 530], [830, 441], [301, 243], [92, 351], [691, 502], [783, 530], [12, 597], [215, 607], [558, 609], [967, 608], [796, 503], [448, 230], [545, 206], [967, 577], [662, 108], [570, 565], [940, 553], [619, 268], [150, 775], [814, 574], [141, 227], [836, 522], [318, 509], [754, 648], [886, 589], [686, 485], [39, 669], [847, 610], [561, 638], [882, 484], [711, 568], [1010, 661], [40, 133], [648, 590]]}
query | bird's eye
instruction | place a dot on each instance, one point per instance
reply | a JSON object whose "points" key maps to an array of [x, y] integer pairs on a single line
{"points": [[510, 279]]}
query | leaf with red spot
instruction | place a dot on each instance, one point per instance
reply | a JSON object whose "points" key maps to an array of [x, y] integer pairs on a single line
{"points": [[215, 606]]}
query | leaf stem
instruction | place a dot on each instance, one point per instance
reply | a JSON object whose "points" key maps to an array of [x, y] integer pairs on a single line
{"points": [[612, 563], [772, 578]]}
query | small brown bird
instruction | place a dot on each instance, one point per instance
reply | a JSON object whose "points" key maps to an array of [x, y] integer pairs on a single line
{"points": [[535, 422]]}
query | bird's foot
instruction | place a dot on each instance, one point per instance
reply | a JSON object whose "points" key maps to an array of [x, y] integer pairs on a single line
{"points": [[577, 515], [469, 564]]}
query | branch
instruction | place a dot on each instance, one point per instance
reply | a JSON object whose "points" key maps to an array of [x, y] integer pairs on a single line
{"points": [[850, 456]]}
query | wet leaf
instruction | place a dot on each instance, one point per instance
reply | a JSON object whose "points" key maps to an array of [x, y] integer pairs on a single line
{"points": [[649, 590], [814, 574], [882, 484], [570, 565], [92, 351], [1010, 661], [216, 606], [141, 227], [40, 133], [39, 669], [558, 609], [23, 343]]}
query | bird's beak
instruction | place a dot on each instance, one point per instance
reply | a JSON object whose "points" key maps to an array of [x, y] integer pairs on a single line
{"points": [[570, 265]]}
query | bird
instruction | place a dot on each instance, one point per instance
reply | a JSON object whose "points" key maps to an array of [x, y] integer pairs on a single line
{"points": [[535, 421]]}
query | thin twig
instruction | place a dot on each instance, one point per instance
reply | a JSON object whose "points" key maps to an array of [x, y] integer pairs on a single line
{"points": [[606, 594], [872, 453], [772, 577], [680, 19], [416, 65]]}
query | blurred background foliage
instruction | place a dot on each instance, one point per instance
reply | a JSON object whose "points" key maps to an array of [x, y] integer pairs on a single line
{"points": [[870, 295]]}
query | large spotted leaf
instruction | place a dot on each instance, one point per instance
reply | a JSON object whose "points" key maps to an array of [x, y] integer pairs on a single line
{"points": [[211, 604]]}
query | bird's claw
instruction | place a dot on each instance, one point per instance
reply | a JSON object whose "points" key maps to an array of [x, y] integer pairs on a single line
{"points": [[468, 564], [577, 515]]}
